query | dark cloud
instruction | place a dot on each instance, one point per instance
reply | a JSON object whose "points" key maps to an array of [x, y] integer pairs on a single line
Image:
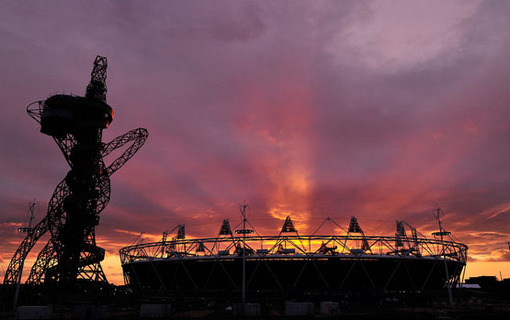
{"points": [[313, 109]]}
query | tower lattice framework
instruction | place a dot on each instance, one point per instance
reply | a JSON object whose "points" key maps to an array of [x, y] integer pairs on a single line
{"points": [[76, 124]]}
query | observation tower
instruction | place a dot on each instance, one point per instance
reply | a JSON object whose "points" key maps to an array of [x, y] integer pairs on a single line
{"points": [[76, 124]]}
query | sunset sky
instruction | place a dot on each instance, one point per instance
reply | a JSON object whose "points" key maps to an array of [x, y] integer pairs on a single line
{"points": [[381, 110]]}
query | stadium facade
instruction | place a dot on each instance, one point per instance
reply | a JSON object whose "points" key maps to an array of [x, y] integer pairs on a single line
{"points": [[241, 262]]}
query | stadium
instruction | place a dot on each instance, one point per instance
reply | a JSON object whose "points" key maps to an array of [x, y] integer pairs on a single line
{"points": [[240, 263]]}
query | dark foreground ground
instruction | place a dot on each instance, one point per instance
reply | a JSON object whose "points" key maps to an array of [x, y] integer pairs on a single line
{"points": [[121, 303], [455, 312]]}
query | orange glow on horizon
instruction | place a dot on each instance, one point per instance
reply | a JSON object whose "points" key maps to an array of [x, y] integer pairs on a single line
{"points": [[486, 262]]}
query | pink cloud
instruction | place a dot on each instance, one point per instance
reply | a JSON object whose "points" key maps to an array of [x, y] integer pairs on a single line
{"points": [[311, 109]]}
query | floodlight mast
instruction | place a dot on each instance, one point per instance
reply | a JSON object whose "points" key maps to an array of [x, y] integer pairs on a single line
{"points": [[442, 233], [76, 124], [28, 230], [244, 232]]}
